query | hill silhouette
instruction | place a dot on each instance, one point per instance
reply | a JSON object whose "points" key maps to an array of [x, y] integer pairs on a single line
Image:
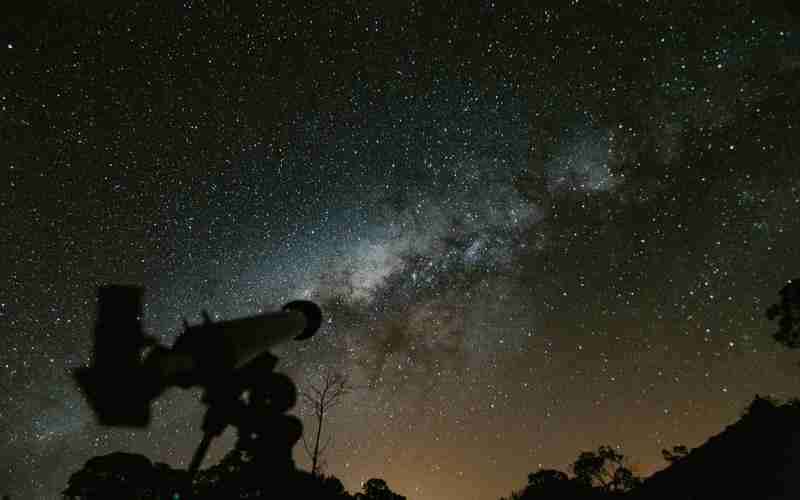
{"points": [[756, 457]]}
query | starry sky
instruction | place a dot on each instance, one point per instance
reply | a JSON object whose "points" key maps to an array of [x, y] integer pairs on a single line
{"points": [[532, 231]]}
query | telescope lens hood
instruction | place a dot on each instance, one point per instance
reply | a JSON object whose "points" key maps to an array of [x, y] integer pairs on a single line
{"points": [[313, 315]]}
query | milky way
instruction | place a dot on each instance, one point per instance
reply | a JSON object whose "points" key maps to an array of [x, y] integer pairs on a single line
{"points": [[531, 231]]}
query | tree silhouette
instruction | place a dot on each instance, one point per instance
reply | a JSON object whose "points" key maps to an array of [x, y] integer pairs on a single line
{"points": [[124, 476], [788, 312], [320, 398], [377, 489], [544, 478], [551, 483], [332, 487], [762, 404], [238, 476], [678, 453], [604, 469]]}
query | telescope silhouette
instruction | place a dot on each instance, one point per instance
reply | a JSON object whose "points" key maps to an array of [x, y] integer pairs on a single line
{"points": [[130, 369]]}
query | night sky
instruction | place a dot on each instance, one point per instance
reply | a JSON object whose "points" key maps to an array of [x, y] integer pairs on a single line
{"points": [[532, 231]]}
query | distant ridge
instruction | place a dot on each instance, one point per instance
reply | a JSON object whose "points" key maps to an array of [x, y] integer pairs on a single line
{"points": [[758, 457]]}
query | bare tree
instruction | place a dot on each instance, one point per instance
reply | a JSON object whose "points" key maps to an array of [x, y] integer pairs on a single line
{"points": [[320, 398]]}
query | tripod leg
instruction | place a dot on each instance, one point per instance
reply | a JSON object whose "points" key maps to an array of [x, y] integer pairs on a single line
{"points": [[200, 453]]}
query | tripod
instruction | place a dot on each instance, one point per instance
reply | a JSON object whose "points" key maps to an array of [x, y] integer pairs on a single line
{"points": [[254, 400]]}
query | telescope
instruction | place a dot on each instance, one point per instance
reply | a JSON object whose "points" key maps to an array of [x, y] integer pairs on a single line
{"points": [[130, 369]]}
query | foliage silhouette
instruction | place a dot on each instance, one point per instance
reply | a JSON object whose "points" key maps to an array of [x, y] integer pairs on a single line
{"points": [[604, 469], [123, 476], [377, 489], [130, 476], [788, 313], [597, 475], [678, 452], [551, 483], [546, 477]]}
